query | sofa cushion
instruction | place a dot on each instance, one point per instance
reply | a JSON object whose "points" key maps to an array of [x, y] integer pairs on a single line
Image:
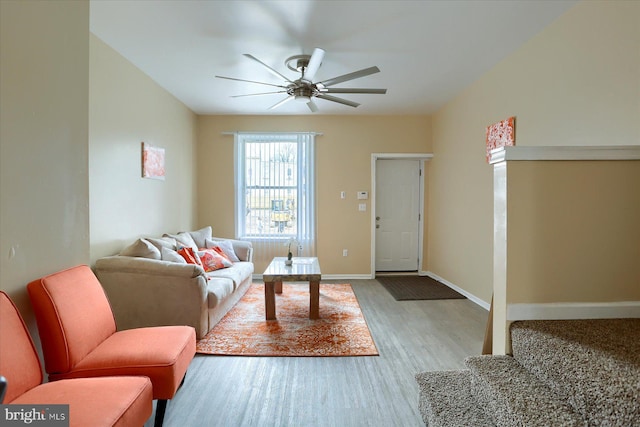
{"points": [[141, 248], [199, 236], [218, 289], [163, 242], [190, 256], [212, 260], [183, 239], [172, 256], [239, 272], [226, 246]]}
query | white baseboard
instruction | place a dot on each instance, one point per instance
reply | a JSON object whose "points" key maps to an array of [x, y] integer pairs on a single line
{"points": [[574, 310], [470, 296], [346, 277]]}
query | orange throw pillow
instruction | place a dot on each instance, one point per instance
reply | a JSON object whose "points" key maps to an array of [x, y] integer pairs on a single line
{"points": [[190, 256], [212, 260], [221, 252]]}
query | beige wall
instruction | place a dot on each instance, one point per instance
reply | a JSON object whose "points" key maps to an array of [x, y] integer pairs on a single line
{"points": [[573, 231], [575, 83], [127, 108], [343, 163], [44, 103]]}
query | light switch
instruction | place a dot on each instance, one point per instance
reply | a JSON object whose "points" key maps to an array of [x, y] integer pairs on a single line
{"points": [[363, 195], [343, 194]]}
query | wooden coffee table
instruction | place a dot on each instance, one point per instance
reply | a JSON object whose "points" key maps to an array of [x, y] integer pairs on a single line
{"points": [[303, 269]]}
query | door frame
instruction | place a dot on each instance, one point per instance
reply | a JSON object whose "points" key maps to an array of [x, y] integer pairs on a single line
{"points": [[423, 157]]}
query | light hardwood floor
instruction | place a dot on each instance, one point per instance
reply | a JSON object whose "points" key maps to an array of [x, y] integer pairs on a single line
{"points": [[411, 336]]}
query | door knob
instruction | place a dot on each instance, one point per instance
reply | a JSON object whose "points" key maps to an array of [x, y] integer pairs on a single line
{"points": [[377, 218], [377, 225]]}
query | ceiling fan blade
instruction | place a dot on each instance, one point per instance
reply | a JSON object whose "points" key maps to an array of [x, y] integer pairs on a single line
{"points": [[348, 90], [251, 81], [284, 101], [350, 76], [271, 70], [314, 63], [256, 94], [338, 100], [312, 106]]}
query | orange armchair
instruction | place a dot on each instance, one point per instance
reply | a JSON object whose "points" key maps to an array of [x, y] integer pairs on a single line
{"points": [[107, 401], [79, 338]]}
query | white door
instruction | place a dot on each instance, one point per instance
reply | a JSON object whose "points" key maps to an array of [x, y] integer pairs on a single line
{"points": [[397, 214]]}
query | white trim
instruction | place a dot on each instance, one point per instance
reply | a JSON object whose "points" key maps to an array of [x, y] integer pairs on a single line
{"points": [[423, 157], [573, 310], [613, 152], [469, 295], [346, 277], [271, 133], [402, 156]]}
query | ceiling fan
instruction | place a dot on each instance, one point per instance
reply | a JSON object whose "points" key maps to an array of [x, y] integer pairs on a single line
{"points": [[304, 88]]}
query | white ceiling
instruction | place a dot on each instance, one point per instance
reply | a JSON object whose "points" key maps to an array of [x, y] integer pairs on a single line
{"points": [[427, 51]]}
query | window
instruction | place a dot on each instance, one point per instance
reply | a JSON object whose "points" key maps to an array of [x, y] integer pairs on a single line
{"points": [[275, 201]]}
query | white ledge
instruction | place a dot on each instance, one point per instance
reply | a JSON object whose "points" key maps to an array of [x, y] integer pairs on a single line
{"points": [[573, 310], [613, 152]]}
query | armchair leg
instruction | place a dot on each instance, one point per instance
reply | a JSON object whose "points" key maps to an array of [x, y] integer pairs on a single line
{"points": [[161, 407]]}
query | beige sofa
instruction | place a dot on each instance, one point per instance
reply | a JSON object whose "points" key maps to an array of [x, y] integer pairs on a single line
{"points": [[148, 286]]}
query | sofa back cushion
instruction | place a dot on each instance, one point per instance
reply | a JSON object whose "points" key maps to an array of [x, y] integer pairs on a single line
{"points": [[141, 248], [73, 316], [226, 246], [200, 236], [19, 362], [172, 256]]}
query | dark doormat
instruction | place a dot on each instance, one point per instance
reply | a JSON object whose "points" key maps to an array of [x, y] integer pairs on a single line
{"points": [[405, 288]]}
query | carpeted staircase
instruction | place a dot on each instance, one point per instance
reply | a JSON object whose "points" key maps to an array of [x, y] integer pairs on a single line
{"points": [[562, 373]]}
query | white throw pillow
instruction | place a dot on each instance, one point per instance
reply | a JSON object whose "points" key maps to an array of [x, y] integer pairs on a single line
{"points": [[199, 236], [141, 248], [226, 246], [172, 256], [183, 239], [163, 242]]}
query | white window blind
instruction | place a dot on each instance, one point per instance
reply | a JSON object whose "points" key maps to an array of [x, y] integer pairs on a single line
{"points": [[275, 197]]}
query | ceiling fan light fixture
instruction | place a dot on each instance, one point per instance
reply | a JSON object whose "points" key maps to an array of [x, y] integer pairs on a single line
{"points": [[305, 88], [302, 93]]}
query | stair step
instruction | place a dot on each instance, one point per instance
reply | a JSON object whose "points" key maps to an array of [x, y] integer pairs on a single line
{"points": [[446, 400], [511, 396], [592, 364]]}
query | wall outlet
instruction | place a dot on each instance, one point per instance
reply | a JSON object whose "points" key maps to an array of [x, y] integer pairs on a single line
{"points": [[345, 252]]}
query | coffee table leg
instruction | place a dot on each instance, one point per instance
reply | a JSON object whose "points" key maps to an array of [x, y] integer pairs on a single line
{"points": [[314, 300], [270, 300], [278, 287]]}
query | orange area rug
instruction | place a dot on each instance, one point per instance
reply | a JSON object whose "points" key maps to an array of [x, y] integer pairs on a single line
{"points": [[340, 331]]}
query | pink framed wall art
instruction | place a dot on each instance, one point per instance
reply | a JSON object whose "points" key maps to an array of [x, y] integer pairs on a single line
{"points": [[501, 134], [152, 162]]}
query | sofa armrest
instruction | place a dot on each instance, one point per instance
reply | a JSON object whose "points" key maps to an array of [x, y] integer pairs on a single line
{"points": [[153, 267], [242, 248], [146, 292]]}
